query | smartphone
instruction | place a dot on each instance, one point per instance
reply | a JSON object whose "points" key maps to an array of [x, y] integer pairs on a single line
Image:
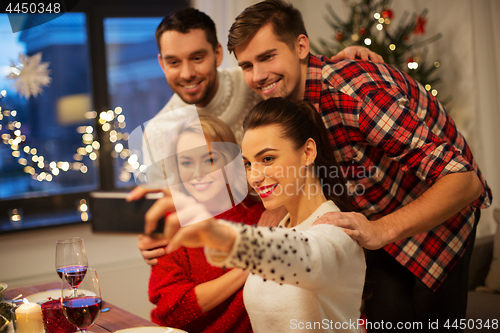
{"points": [[111, 213]]}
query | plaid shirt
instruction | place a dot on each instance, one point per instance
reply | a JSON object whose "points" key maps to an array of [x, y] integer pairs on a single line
{"points": [[393, 140]]}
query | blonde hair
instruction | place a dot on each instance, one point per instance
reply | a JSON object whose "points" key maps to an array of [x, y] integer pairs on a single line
{"points": [[214, 130]]}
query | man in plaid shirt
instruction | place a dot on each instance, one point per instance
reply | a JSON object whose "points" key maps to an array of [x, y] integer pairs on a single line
{"points": [[412, 176]]}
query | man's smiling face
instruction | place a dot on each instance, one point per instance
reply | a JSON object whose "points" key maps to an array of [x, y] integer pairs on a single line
{"points": [[190, 63], [269, 66]]}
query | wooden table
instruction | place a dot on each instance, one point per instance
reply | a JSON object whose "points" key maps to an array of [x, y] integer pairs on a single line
{"points": [[114, 319]]}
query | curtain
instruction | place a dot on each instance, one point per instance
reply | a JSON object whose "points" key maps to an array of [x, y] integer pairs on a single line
{"points": [[486, 90]]}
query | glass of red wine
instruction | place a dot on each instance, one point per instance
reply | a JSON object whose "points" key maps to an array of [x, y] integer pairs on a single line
{"points": [[83, 308], [71, 258]]}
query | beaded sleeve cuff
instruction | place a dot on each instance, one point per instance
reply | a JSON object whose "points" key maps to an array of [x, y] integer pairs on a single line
{"points": [[277, 254]]}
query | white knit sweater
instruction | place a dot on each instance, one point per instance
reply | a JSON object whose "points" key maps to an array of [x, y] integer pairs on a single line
{"points": [[304, 277]]}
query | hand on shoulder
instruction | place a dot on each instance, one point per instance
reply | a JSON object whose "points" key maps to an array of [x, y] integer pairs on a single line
{"points": [[369, 234], [358, 52]]}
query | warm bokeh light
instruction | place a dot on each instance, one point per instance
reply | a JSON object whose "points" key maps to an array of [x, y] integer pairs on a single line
{"points": [[111, 120]]}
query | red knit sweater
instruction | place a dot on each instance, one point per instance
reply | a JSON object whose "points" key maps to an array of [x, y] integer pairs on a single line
{"points": [[173, 279]]}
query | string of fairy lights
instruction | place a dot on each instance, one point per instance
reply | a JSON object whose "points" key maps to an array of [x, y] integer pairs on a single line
{"points": [[42, 169]]}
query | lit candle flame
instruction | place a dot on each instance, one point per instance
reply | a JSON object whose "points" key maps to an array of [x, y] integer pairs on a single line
{"points": [[25, 301]]}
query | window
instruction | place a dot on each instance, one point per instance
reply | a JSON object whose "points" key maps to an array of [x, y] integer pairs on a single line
{"points": [[136, 84], [43, 150], [102, 58]]}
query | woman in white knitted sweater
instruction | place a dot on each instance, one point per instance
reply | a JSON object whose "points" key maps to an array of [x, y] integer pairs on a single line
{"points": [[304, 276]]}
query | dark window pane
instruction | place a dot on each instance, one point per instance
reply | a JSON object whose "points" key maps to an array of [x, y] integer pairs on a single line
{"points": [[136, 83], [56, 150]]}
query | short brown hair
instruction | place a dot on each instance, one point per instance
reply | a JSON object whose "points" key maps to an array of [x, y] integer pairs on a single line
{"points": [[286, 20], [185, 20]]}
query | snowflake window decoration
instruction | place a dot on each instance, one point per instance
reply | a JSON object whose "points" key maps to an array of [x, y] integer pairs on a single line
{"points": [[30, 75]]}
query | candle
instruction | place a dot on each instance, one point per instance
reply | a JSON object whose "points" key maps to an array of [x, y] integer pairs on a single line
{"points": [[29, 318]]}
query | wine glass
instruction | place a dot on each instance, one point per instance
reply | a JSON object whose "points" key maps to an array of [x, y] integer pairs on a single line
{"points": [[71, 258], [83, 307]]}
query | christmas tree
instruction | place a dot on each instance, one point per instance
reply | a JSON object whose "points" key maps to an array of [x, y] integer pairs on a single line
{"points": [[370, 24]]}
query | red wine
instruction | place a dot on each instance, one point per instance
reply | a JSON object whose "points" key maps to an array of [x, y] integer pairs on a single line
{"points": [[82, 311], [74, 274]]}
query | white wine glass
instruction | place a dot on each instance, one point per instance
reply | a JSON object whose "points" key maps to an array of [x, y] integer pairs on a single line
{"points": [[83, 307], [71, 258]]}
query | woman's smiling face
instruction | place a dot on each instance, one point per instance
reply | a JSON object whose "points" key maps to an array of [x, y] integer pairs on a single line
{"points": [[200, 169], [275, 169]]}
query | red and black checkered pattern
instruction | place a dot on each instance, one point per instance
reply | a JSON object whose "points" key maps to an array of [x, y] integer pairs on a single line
{"points": [[393, 140]]}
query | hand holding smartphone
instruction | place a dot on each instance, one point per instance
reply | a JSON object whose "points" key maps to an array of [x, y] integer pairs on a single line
{"points": [[112, 213]]}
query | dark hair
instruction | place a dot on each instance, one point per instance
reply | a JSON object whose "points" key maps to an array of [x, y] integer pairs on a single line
{"points": [[299, 122], [286, 20], [183, 21]]}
